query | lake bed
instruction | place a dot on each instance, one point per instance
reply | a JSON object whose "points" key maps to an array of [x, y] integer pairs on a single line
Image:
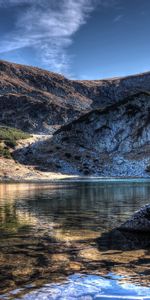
{"points": [[56, 241]]}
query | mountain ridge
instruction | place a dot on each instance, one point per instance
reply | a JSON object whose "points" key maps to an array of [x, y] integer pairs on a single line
{"points": [[90, 128], [40, 101]]}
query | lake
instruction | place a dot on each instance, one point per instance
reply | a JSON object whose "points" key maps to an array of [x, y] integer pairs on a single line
{"points": [[57, 241]]}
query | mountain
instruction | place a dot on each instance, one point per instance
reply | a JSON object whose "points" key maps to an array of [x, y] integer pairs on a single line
{"points": [[113, 141], [38, 101], [33, 100], [104, 125]]}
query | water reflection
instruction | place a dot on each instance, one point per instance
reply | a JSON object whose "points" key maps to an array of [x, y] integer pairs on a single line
{"points": [[48, 232], [86, 287]]}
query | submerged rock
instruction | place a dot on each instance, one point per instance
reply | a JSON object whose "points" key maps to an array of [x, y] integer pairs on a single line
{"points": [[140, 221]]}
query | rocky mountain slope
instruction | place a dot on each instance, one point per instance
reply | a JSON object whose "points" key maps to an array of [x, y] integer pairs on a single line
{"points": [[114, 141], [36, 100], [32, 99], [104, 125]]}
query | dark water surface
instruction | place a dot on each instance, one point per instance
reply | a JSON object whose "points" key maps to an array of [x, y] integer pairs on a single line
{"points": [[56, 241]]}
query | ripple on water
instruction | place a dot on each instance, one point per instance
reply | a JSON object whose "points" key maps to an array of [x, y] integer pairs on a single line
{"points": [[85, 287], [50, 232]]}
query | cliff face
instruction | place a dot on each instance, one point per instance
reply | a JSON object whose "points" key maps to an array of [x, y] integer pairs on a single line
{"points": [[34, 100], [114, 141]]}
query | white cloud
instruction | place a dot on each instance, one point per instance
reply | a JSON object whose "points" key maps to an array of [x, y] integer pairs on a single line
{"points": [[48, 26]]}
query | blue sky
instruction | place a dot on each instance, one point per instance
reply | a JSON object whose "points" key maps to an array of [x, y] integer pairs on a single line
{"points": [[82, 39]]}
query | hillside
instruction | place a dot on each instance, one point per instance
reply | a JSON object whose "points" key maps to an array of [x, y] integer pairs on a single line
{"points": [[32, 99], [38, 101], [114, 141], [98, 128]]}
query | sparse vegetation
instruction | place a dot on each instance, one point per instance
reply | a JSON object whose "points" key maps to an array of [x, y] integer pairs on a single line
{"points": [[8, 139], [11, 143], [4, 152], [11, 135]]}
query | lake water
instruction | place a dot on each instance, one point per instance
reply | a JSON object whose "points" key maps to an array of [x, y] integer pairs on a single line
{"points": [[57, 241]]}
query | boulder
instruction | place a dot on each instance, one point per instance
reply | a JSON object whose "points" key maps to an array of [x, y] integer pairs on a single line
{"points": [[140, 221]]}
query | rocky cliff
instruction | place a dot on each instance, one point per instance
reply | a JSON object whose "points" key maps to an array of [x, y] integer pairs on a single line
{"points": [[36, 100], [113, 141]]}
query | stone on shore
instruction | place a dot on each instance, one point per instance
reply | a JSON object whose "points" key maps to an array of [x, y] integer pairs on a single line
{"points": [[140, 221]]}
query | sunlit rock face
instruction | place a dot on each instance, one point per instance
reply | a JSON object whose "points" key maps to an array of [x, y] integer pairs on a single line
{"points": [[140, 221], [38, 101], [114, 141]]}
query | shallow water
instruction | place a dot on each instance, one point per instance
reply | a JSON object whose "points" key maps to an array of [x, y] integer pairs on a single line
{"points": [[57, 242]]}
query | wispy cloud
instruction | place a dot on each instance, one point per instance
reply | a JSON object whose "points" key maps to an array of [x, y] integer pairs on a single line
{"points": [[48, 27], [117, 18]]}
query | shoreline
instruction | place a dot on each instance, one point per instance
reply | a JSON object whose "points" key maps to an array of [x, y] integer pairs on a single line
{"points": [[14, 172], [73, 178]]}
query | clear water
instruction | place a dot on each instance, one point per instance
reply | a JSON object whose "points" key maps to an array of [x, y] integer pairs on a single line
{"points": [[57, 241]]}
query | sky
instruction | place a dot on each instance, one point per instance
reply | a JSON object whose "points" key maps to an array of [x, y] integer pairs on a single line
{"points": [[82, 39]]}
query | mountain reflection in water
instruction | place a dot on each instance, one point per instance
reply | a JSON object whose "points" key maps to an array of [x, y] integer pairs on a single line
{"points": [[50, 232]]}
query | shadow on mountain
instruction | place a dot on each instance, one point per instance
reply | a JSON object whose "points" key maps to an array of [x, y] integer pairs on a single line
{"points": [[48, 156], [36, 155], [123, 240]]}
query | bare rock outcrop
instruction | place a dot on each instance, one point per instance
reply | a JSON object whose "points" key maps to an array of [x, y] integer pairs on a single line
{"points": [[140, 221], [114, 141]]}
